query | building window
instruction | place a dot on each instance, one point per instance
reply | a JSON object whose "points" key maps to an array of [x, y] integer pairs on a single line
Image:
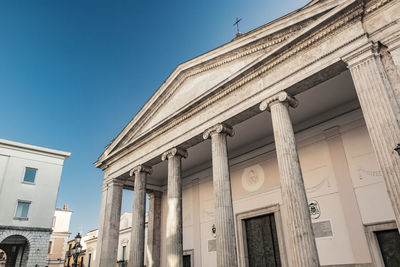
{"points": [[123, 252], [30, 174], [22, 209], [89, 259], [49, 250]]}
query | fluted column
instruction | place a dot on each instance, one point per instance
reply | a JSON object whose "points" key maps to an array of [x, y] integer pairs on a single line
{"points": [[136, 258], [381, 114], [110, 214], [304, 249], [174, 217], [153, 229], [224, 219]]}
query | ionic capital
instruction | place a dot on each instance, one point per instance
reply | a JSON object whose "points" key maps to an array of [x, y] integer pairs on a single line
{"points": [[282, 97], [140, 168], [220, 128], [176, 151]]}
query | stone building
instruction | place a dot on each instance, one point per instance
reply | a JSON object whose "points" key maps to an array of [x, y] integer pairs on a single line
{"points": [[29, 181], [275, 149], [59, 237]]}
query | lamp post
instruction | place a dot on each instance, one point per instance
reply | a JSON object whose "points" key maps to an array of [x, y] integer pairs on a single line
{"points": [[76, 249]]}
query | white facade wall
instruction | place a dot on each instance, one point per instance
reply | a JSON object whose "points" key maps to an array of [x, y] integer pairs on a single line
{"points": [[347, 212], [42, 194]]}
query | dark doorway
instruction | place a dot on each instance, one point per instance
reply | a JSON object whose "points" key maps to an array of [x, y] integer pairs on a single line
{"points": [[262, 241], [389, 244], [15, 248], [187, 261]]}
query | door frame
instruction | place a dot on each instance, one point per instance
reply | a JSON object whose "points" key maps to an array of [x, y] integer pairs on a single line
{"points": [[189, 252], [241, 232], [373, 244]]}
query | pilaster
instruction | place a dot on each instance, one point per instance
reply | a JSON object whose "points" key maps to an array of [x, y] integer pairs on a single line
{"points": [[381, 113], [154, 229], [136, 258], [224, 218], [303, 246], [174, 217]]}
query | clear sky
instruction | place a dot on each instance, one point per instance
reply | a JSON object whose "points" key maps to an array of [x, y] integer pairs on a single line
{"points": [[73, 73]]}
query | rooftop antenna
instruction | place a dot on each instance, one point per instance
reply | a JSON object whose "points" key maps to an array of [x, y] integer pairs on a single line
{"points": [[237, 26]]}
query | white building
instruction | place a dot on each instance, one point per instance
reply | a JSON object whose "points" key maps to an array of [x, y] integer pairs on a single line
{"points": [[242, 142], [29, 181], [123, 242], [59, 237]]}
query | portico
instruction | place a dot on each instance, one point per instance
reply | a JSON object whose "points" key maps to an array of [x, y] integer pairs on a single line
{"points": [[250, 127]]}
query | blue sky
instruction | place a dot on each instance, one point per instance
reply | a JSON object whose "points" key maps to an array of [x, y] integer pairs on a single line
{"points": [[73, 73]]}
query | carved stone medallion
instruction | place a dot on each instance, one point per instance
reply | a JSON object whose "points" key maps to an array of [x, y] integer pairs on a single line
{"points": [[253, 178]]}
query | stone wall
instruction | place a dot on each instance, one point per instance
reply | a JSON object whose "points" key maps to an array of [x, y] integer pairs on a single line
{"points": [[38, 242]]}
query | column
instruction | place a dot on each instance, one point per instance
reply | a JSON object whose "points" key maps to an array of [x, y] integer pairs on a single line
{"points": [[303, 247], [136, 257], [110, 214], [224, 219], [154, 229], [380, 111], [174, 217]]}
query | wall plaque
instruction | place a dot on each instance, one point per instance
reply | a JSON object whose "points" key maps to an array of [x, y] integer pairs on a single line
{"points": [[322, 229], [212, 245]]}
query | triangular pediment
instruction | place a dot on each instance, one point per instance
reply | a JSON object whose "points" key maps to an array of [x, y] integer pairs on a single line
{"points": [[198, 78]]}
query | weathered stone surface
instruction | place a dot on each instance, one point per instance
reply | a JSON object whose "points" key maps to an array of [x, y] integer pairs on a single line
{"points": [[107, 246], [154, 229], [302, 239], [380, 109], [174, 217], [224, 219], [136, 258]]}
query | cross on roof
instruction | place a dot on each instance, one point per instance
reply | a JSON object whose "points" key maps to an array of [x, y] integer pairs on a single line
{"points": [[237, 25]]}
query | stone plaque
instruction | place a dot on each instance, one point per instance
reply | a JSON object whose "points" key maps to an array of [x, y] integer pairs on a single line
{"points": [[322, 229], [212, 245]]}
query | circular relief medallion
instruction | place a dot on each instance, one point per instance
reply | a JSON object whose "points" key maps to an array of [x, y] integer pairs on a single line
{"points": [[253, 178]]}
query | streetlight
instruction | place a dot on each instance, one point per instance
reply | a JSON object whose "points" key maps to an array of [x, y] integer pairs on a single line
{"points": [[77, 249]]}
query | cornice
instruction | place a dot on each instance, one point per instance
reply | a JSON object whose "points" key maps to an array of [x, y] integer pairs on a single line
{"points": [[281, 24], [294, 46]]}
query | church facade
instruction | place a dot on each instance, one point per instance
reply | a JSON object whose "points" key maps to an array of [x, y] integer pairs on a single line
{"points": [[275, 149]]}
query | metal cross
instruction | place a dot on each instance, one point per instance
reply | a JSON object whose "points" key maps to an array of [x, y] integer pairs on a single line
{"points": [[237, 24]]}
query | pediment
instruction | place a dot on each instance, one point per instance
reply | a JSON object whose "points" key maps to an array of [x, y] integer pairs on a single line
{"points": [[198, 78], [193, 87]]}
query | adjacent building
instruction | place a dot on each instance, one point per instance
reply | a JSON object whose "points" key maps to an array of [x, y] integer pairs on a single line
{"points": [[279, 148], [29, 181], [59, 237]]}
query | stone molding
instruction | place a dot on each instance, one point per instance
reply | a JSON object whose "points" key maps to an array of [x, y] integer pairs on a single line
{"points": [[341, 21], [330, 26], [141, 168], [22, 228], [220, 128], [279, 97], [176, 151]]}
